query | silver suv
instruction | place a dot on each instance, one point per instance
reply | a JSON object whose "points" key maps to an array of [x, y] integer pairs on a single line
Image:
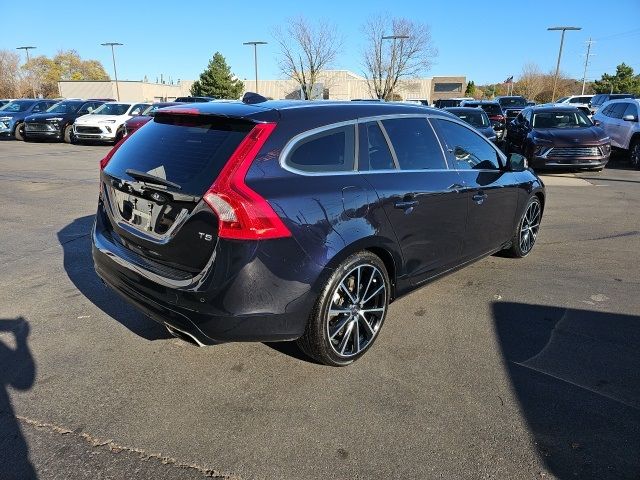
{"points": [[620, 120]]}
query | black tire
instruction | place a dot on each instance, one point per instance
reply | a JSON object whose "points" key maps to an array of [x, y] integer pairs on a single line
{"points": [[521, 247], [119, 135], [317, 342], [67, 134], [18, 132], [634, 153]]}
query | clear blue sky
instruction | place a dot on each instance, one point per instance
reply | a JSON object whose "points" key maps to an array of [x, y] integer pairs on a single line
{"points": [[178, 38]]}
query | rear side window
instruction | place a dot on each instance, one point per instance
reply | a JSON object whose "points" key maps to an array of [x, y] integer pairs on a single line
{"points": [[328, 151], [415, 144], [617, 109], [468, 149], [187, 150]]}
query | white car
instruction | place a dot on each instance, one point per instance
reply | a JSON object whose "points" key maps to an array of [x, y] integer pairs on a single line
{"points": [[620, 119], [106, 123], [576, 100]]}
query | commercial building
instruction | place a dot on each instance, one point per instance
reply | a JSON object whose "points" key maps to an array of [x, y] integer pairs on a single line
{"points": [[132, 91], [332, 84]]}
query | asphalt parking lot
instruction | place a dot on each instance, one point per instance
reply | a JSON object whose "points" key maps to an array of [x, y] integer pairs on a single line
{"points": [[506, 369]]}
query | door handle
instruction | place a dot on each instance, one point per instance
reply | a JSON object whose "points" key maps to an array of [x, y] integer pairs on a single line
{"points": [[479, 198], [406, 205]]}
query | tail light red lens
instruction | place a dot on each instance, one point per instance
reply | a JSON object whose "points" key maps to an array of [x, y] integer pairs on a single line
{"points": [[242, 213]]}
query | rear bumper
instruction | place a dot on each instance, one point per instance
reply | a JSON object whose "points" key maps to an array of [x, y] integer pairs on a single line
{"points": [[261, 298]]}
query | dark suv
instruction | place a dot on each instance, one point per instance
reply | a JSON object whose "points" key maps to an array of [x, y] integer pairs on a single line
{"points": [[57, 122], [283, 220], [511, 105]]}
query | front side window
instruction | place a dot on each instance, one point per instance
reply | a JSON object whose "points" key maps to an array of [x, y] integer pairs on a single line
{"points": [[468, 149], [415, 144], [327, 151], [112, 109], [631, 110]]}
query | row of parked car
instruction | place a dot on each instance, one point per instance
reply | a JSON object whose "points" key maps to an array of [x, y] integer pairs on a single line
{"points": [[574, 132], [77, 120]]}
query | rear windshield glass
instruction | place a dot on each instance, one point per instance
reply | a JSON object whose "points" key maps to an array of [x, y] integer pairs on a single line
{"points": [[560, 120], [477, 119], [189, 151], [491, 109], [512, 102]]}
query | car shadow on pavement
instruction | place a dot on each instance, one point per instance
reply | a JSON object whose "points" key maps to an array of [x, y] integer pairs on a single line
{"points": [[18, 371], [576, 376], [75, 239]]}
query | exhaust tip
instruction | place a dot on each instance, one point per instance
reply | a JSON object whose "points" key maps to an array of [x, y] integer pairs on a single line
{"points": [[185, 336]]}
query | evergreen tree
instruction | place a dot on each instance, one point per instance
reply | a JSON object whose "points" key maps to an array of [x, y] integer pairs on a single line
{"points": [[217, 80], [624, 81], [471, 89]]}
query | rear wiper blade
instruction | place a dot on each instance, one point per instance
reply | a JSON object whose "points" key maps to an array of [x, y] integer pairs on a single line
{"points": [[148, 178]]}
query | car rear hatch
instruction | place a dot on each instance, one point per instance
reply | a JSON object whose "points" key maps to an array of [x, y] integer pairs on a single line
{"points": [[163, 198]]}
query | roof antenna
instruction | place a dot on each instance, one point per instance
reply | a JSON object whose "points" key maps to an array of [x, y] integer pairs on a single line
{"points": [[250, 98]]}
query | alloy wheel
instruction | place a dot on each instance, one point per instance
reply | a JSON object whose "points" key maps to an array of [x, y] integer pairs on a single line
{"points": [[356, 311], [635, 155], [529, 227]]}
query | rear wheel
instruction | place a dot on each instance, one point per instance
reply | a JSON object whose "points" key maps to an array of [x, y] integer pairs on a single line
{"points": [[634, 153], [527, 231], [18, 132], [119, 135], [349, 312]]}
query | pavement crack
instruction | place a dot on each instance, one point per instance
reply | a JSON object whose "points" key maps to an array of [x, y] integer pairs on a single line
{"points": [[114, 447]]}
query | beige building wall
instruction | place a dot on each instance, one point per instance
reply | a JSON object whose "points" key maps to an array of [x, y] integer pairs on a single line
{"points": [[130, 91], [346, 85]]}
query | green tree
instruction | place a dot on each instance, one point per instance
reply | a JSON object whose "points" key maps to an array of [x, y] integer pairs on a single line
{"points": [[45, 73], [624, 81], [471, 89], [217, 80]]}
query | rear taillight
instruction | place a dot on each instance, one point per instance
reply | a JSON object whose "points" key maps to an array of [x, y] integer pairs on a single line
{"points": [[242, 213], [105, 160], [496, 117]]}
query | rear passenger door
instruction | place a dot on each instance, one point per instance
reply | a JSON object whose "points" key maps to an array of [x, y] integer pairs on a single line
{"points": [[423, 199], [492, 192]]}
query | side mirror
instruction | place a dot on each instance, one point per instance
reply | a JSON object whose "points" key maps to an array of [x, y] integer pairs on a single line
{"points": [[517, 163], [630, 118]]}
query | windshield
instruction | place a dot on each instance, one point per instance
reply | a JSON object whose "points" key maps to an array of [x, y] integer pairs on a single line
{"points": [[560, 120], [111, 109], [562, 99], [477, 119], [16, 107], [512, 102], [64, 107]]}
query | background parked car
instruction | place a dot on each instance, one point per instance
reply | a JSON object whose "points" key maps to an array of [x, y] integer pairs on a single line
{"points": [[511, 105], [494, 112], [552, 136], [575, 100], [477, 118], [186, 189], [620, 121], [450, 102], [12, 115], [194, 99], [57, 122], [4, 101], [106, 123], [136, 122], [598, 100]]}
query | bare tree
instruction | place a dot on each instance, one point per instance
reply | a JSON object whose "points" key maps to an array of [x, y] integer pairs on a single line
{"points": [[388, 61], [10, 75], [532, 82], [306, 50]]}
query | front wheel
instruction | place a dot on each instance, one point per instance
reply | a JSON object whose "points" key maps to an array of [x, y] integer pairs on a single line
{"points": [[67, 135], [18, 132], [527, 230], [349, 312], [634, 153]]}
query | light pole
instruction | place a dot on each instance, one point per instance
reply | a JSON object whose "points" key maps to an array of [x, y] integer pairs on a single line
{"points": [[255, 57], [555, 79], [26, 50], [113, 57], [393, 51]]}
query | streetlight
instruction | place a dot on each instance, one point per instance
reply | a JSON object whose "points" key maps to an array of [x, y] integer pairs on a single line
{"points": [[113, 56], [26, 50], [255, 57], [555, 79], [393, 51]]}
